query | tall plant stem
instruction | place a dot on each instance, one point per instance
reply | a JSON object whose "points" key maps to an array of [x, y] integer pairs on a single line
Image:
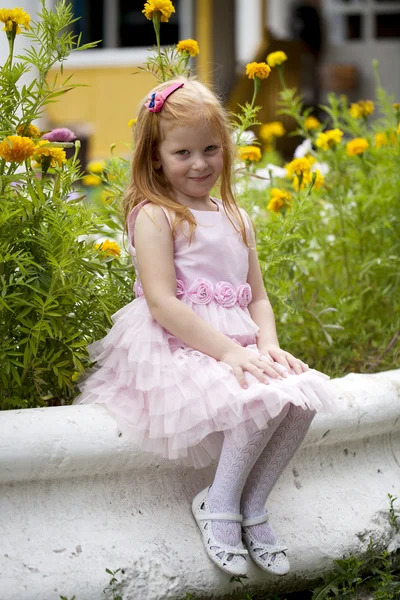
{"points": [[256, 88], [281, 77], [344, 248], [156, 25]]}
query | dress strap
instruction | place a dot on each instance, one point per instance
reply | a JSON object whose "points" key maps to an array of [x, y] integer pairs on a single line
{"points": [[132, 220]]}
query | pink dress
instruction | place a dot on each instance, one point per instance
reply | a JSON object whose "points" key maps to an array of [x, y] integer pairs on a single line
{"points": [[176, 401]]}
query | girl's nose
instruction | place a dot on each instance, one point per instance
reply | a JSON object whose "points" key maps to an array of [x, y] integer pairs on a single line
{"points": [[199, 163]]}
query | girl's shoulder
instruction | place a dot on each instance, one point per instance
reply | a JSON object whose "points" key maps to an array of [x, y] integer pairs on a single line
{"points": [[154, 211]]}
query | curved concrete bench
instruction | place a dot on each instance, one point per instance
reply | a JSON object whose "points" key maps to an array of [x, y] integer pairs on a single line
{"points": [[77, 498]]}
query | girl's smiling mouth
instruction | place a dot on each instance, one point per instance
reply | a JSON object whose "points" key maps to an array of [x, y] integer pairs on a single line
{"points": [[200, 179]]}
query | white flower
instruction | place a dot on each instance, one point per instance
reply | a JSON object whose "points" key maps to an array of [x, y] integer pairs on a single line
{"points": [[244, 137], [330, 238], [275, 171], [304, 148], [323, 168]]}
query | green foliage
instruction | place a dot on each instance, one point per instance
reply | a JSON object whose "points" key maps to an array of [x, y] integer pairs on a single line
{"points": [[331, 260], [57, 292]]}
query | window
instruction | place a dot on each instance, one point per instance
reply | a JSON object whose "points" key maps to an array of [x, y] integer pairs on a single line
{"points": [[120, 24], [387, 25]]}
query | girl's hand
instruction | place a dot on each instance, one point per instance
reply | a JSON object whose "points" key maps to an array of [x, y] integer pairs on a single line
{"points": [[285, 359], [242, 359]]}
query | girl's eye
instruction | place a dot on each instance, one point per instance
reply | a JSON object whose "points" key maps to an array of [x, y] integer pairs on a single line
{"points": [[211, 148], [182, 152]]}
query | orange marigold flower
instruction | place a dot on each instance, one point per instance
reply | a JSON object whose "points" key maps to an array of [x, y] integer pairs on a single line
{"points": [[381, 139], [251, 153], [28, 130], [357, 146], [329, 139], [276, 58], [15, 148], [299, 166], [190, 46], [54, 155], [271, 130], [311, 123], [278, 199], [164, 7], [259, 70], [109, 248], [13, 18]]}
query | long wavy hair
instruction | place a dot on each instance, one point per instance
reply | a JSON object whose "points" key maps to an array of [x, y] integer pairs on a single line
{"points": [[193, 103]]}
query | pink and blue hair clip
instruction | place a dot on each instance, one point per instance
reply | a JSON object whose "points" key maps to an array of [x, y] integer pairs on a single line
{"points": [[157, 99]]}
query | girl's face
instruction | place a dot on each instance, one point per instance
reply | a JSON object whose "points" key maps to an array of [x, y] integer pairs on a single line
{"points": [[191, 159]]}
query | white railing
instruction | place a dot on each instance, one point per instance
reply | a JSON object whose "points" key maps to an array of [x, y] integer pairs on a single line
{"points": [[77, 498]]}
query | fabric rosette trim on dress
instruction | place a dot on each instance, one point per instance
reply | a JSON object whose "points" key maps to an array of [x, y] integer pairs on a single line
{"points": [[203, 291]]}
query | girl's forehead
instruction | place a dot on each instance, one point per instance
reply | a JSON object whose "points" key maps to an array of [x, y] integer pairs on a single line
{"points": [[190, 131]]}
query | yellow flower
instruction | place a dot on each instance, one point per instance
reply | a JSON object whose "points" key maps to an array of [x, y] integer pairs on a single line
{"points": [[311, 123], [251, 153], [164, 7], [271, 130], [355, 111], [132, 122], [90, 180], [357, 146], [368, 107], [96, 166], [107, 196], [259, 70], [362, 108], [30, 131], [329, 139], [55, 156], [109, 248], [190, 46], [381, 140], [15, 148], [307, 179], [275, 204], [279, 198], [299, 166], [396, 105], [398, 129], [13, 18], [276, 58]]}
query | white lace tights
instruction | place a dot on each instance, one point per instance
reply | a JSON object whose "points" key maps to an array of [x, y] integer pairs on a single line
{"points": [[245, 476]]}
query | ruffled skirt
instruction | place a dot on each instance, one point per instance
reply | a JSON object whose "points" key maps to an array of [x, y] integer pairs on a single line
{"points": [[178, 402]]}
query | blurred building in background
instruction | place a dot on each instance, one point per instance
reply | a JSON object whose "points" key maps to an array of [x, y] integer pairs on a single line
{"points": [[330, 45]]}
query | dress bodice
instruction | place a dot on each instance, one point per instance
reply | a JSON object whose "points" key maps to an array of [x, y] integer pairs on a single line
{"points": [[216, 253]]}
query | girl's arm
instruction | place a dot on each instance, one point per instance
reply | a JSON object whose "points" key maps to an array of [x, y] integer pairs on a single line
{"points": [[155, 258], [261, 312]]}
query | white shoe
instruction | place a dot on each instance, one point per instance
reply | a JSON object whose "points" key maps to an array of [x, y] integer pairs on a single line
{"points": [[231, 559], [269, 557]]}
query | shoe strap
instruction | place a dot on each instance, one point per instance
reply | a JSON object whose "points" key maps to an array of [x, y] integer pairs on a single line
{"points": [[255, 520], [219, 517]]}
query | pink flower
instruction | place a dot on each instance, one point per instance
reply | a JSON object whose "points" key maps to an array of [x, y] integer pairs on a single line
{"points": [[201, 291], [180, 288], [61, 134], [243, 295], [225, 294]]}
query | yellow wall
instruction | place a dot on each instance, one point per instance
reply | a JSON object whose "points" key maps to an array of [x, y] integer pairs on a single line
{"points": [[107, 104]]}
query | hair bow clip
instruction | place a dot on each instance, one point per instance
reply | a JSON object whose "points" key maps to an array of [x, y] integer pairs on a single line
{"points": [[156, 100]]}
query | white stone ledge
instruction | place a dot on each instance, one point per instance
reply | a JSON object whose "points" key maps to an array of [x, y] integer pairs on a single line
{"points": [[75, 498]]}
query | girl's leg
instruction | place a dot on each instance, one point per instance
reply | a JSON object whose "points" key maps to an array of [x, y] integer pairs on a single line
{"points": [[233, 469], [271, 463]]}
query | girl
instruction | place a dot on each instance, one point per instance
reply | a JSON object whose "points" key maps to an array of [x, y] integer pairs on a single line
{"points": [[192, 368]]}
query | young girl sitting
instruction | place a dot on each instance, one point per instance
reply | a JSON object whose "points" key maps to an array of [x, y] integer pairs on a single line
{"points": [[192, 368]]}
